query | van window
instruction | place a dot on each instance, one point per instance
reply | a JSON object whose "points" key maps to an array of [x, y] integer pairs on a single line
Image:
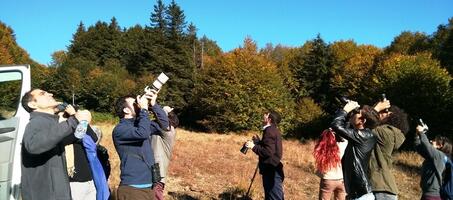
{"points": [[10, 86]]}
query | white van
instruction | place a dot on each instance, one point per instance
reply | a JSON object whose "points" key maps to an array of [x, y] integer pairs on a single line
{"points": [[15, 81]]}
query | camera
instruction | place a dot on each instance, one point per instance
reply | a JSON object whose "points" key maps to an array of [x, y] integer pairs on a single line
{"points": [[421, 123], [161, 80], [384, 98], [155, 171], [244, 149]]}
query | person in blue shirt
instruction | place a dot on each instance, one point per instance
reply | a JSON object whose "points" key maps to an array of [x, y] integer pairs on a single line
{"points": [[131, 138]]}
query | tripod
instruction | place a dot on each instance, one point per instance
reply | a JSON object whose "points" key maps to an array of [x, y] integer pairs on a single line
{"points": [[251, 182]]}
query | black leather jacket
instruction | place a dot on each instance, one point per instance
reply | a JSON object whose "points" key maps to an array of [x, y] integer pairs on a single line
{"points": [[356, 156]]}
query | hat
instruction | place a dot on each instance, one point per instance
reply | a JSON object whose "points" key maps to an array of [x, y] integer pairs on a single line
{"points": [[167, 109]]}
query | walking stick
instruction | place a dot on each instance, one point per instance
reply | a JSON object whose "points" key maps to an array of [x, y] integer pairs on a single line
{"points": [[251, 182]]}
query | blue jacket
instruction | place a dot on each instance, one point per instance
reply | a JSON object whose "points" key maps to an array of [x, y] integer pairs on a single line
{"points": [[100, 182], [132, 142]]}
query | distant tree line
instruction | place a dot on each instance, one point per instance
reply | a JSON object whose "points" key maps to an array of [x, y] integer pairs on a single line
{"points": [[227, 91]]}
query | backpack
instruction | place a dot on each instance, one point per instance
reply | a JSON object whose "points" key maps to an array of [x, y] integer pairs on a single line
{"points": [[103, 157], [446, 190]]}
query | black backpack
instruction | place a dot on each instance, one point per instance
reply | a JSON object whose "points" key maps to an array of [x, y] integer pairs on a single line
{"points": [[103, 156]]}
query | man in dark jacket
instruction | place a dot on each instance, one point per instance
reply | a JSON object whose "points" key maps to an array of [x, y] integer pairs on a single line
{"points": [[43, 158], [270, 151], [132, 142], [360, 143], [390, 136]]}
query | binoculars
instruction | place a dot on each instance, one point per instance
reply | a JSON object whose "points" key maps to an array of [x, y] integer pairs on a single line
{"points": [[61, 107]]}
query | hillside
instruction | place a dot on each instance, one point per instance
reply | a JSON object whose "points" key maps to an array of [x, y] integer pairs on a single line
{"points": [[12, 54], [210, 166]]}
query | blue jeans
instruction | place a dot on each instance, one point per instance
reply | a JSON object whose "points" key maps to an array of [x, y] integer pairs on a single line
{"points": [[273, 186]]}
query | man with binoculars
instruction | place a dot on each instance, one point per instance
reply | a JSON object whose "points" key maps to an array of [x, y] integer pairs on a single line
{"points": [[269, 151], [43, 157]]}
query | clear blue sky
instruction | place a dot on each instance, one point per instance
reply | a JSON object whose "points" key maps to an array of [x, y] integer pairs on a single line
{"points": [[42, 27]]}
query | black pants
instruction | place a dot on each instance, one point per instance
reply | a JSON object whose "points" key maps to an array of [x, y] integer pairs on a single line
{"points": [[273, 186]]}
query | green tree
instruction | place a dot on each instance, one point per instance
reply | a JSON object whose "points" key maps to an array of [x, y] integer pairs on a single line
{"points": [[232, 91], [446, 52], [99, 43], [12, 53], [310, 119], [158, 20], [312, 71], [281, 56], [103, 88], [416, 83], [176, 21], [58, 58], [210, 47], [134, 51], [440, 36], [409, 43], [352, 66]]}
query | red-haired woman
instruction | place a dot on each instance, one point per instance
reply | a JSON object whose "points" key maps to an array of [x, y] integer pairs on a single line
{"points": [[328, 153]]}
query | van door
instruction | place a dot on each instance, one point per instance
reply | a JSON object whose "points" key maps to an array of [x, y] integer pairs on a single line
{"points": [[15, 81]]}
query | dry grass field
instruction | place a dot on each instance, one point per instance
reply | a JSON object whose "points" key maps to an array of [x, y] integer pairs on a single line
{"points": [[210, 166]]}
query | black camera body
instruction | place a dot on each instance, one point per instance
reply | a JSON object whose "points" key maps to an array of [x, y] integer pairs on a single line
{"points": [[384, 98], [244, 149], [155, 171]]}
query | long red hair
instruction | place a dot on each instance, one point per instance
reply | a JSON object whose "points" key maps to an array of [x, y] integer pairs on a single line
{"points": [[327, 152]]}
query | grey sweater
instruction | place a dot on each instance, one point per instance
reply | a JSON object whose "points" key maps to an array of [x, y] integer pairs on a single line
{"points": [[43, 161], [432, 166], [163, 147]]}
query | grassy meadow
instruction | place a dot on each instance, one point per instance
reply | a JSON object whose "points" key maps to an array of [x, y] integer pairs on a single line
{"points": [[210, 166]]}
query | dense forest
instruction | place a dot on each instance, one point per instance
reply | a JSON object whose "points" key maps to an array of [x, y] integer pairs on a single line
{"points": [[220, 91]]}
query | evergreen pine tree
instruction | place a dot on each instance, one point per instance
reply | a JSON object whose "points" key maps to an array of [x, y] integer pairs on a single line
{"points": [[176, 21], [158, 17], [76, 43], [314, 74], [446, 52]]}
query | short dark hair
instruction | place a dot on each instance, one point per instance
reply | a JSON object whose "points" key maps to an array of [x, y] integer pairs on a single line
{"points": [[371, 116], [398, 118], [173, 118], [274, 116], [28, 97], [446, 144], [120, 104]]}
